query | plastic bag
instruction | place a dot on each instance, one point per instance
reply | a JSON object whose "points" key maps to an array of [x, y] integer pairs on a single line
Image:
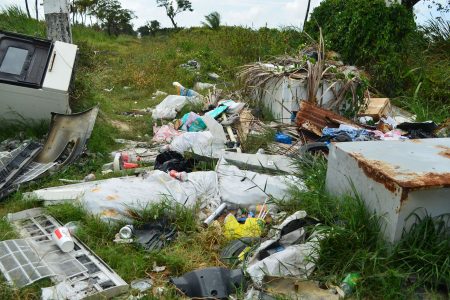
{"points": [[172, 104], [200, 143]]}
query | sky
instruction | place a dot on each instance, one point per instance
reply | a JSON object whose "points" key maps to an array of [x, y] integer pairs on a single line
{"points": [[251, 13]]}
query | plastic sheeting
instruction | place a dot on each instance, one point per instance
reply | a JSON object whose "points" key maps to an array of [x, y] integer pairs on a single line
{"points": [[172, 104], [112, 198], [201, 143], [244, 188], [295, 260]]}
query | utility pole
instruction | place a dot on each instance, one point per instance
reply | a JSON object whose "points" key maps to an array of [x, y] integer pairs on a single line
{"points": [[307, 13], [57, 18]]}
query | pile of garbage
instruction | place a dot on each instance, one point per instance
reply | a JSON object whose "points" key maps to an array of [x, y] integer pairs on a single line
{"points": [[268, 252]]}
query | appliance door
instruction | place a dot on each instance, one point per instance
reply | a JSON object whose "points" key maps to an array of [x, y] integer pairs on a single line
{"points": [[60, 67], [22, 61]]}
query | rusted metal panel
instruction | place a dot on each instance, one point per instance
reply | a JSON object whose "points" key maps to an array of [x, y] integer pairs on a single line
{"points": [[313, 118], [394, 178]]}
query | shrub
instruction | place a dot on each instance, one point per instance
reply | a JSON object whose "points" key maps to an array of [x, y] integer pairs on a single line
{"points": [[369, 34]]}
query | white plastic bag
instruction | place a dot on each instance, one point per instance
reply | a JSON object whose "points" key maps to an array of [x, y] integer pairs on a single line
{"points": [[172, 104], [201, 143]]}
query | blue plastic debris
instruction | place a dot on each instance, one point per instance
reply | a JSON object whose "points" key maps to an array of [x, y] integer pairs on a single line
{"points": [[283, 138]]}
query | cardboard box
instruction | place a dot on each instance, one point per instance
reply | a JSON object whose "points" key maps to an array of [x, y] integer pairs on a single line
{"points": [[376, 108]]}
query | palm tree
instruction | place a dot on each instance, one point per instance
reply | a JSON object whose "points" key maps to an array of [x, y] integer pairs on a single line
{"points": [[212, 21], [28, 9]]}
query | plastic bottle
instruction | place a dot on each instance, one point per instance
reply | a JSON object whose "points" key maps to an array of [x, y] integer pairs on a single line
{"points": [[349, 283]]}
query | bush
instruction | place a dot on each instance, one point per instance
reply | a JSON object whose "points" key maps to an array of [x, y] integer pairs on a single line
{"points": [[369, 34]]}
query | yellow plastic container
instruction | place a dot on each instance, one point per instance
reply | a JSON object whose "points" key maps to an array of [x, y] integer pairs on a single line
{"points": [[253, 227]]}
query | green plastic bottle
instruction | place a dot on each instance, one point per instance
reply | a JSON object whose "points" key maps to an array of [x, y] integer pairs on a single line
{"points": [[349, 283]]}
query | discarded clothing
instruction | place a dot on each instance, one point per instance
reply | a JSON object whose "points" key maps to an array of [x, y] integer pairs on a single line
{"points": [[393, 135], [210, 283], [346, 130], [172, 160]]}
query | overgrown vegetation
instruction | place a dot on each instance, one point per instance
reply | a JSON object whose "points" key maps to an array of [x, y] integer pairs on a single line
{"points": [[398, 55]]}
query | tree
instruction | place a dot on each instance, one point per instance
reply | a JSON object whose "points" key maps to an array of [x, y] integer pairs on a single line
{"points": [[173, 9], [83, 8], [440, 7], [144, 30], [212, 21], [154, 26], [113, 18]]}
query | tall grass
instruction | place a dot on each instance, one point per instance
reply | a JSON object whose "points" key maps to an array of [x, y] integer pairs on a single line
{"points": [[13, 18]]}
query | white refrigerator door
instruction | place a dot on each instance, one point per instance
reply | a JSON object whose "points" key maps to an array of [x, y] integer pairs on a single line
{"points": [[60, 67]]}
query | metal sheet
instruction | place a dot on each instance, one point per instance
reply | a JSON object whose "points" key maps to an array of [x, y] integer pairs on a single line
{"points": [[313, 118]]}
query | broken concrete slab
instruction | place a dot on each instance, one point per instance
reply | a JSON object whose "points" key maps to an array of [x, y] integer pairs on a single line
{"points": [[394, 178]]}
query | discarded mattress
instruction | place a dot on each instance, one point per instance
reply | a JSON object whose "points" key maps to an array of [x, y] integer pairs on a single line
{"points": [[78, 274], [261, 162]]}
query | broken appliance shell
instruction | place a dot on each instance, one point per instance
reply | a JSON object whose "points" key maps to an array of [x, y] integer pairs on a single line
{"points": [[282, 96], [41, 85], [393, 178], [86, 275]]}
